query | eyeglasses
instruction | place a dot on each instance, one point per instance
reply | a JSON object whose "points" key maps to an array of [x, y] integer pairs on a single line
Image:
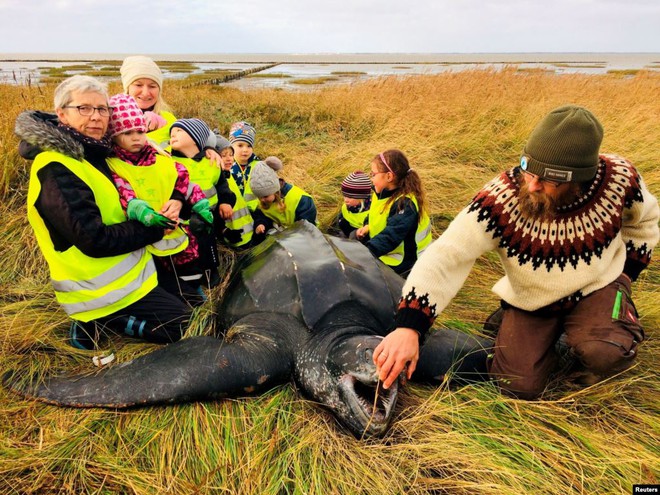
{"points": [[374, 174], [88, 110], [529, 176]]}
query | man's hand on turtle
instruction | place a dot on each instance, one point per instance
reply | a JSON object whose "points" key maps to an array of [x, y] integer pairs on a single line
{"points": [[398, 350]]}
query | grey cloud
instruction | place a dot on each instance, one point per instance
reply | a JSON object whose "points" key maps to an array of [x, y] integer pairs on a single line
{"points": [[203, 26]]}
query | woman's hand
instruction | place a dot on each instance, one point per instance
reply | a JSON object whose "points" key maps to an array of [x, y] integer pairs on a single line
{"points": [[398, 350], [154, 121], [260, 229], [171, 209]]}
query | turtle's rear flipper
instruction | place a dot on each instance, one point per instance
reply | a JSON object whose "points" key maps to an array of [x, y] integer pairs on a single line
{"points": [[251, 360], [446, 351]]}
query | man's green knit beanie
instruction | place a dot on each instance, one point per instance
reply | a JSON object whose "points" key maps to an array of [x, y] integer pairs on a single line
{"points": [[564, 146]]}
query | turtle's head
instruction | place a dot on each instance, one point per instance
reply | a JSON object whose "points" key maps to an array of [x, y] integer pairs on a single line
{"points": [[340, 374]]}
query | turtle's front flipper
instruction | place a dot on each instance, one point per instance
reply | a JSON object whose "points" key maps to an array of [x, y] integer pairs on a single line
{"points": [[450, 351], [256, 355]]}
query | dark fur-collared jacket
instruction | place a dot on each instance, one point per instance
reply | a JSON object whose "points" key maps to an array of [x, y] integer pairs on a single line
{"points": [[65, 202]]}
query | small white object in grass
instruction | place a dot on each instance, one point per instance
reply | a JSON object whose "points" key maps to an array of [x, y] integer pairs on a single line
{"points": [[101, 361]]}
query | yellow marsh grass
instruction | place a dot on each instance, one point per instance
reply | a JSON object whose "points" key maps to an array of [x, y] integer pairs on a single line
{"points": [[458, 130]]}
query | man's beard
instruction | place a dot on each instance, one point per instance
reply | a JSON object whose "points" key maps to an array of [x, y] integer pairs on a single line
{"points": [[540, 206]]}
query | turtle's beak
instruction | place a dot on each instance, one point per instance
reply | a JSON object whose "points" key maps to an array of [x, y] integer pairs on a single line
{"points": [[372, 406]]}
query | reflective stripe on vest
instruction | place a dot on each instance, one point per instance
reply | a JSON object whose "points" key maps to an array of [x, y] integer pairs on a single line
{"points": [[191, 188], [241, 218], [211, 193], [204, 174], [112, 296], [355, 220], [119, 270], [285, 218], [174, 242], [161, 136], [250, 199], [90, 288], [154, 184], [423, 236], [378, 215]]}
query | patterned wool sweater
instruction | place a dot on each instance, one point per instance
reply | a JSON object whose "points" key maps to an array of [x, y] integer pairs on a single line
{"points": [[611, 228]]}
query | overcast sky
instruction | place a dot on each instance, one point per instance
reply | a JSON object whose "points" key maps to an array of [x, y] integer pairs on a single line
{"points": [[327, 26]]}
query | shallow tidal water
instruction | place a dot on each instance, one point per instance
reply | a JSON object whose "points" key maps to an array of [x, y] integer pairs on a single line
{"points": [[302, 71]]}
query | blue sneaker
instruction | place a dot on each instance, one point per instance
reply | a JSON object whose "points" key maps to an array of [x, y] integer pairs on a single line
{"points": [[80, 338], [202, 295]]}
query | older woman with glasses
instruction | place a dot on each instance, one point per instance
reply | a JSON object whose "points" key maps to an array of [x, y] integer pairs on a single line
{"points": [[103, 276]]}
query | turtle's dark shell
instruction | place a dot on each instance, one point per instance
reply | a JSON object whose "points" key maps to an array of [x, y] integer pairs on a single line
{"points": [[306, 276]]}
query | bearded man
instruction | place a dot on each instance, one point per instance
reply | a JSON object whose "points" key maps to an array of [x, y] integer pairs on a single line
{"points": [[572, 228]]}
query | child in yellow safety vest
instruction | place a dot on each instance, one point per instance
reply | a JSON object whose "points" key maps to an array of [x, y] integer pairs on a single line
{"points": [[153, 189], [241, 137], [189, 140], [241, 218], [280, 203], [356, 190], [398, 228]]}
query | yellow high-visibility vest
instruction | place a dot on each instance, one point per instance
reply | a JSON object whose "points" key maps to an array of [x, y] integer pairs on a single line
{"points": [[287, 217], [204, 174], [241, 218], [249, 197], [355, 220], [90, 288], [161, 136], [154, 184], [378, 214]]}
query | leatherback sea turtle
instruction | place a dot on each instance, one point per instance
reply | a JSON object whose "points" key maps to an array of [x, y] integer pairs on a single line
{"points": [[302, 305]]}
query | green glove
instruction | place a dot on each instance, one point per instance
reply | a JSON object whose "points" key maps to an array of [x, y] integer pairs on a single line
{"points": [[139, 210], [203, 209]]}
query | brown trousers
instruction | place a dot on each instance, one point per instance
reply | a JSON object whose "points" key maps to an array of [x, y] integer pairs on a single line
{"points": [[602, 331]]}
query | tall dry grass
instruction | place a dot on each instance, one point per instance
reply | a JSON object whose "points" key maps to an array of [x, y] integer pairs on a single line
{"points": [[458, 130]]}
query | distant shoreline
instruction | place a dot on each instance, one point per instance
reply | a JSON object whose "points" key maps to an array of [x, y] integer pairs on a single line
{"points": [[356, 58]]}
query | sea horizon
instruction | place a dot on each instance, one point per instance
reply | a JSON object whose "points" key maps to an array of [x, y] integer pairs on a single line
{"points": [[358, 57]]}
